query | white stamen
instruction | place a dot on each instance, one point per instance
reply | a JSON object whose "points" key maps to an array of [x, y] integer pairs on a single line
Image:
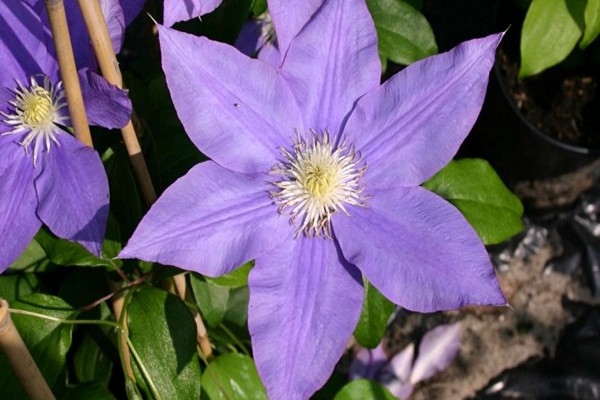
{"points": [[35, 112], [318, 179]]}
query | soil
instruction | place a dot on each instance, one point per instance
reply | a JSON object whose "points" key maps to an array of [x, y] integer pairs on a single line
{"points": [[497, 339], [562, 101]]}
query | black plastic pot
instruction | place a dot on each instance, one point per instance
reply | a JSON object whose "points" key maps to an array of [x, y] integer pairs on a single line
{"points": [[516, 148]]}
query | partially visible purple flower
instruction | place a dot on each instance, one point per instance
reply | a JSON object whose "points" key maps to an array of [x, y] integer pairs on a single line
{"points": [[117, 13], [287, 18], [182, 10], [315, 173], [438, 348], [46, 175]]}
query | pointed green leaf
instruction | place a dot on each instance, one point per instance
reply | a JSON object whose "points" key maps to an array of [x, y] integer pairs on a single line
{"points": [[232, 376], [475, 189], [163, 333], [212, 299], [592, 23], [374, 317], [404, 34], [47, 341], [550, 32], [363, 389]]}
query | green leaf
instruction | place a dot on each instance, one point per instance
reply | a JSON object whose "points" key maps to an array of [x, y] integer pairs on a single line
{"points": [[259, 7], [376, 311], [163, 333], [33, 258], [475, 189], [232, 376], [592, 23], [47, 341], [404, 34], [63, 252], [363, 389], [550, 32], [16, 286], [212, 299], [90, 363], [236, 278]]}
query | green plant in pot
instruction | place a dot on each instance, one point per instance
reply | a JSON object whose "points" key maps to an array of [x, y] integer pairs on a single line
{"points": [[542, 117]]}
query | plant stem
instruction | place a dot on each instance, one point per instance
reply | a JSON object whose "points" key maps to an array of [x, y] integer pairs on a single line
{"points": [[20, 359], [68, 70], [119, 312], [100, 38]]}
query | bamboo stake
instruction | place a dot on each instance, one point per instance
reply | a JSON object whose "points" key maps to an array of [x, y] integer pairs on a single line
{"points": [[100, 37], [119, 312], [20, 359], [68, 70]]}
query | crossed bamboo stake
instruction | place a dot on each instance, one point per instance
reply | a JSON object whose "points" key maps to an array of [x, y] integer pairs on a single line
{"points": [[10, 342]]}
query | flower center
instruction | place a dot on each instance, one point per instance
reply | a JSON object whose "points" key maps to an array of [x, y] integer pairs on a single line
{"points": [[35, 112], [316, 180], [37, 107]]}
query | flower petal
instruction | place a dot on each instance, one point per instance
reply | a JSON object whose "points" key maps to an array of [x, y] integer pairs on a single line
{"points": [[131, 9], [211, 221], [413, 124], [289, 17], [418, 250], [332, 62], [115, 22], [22, 43], [18, 221], [105, 104], [183, 10], [236, 110], [72, 191], [305, 301], [437, 350]]}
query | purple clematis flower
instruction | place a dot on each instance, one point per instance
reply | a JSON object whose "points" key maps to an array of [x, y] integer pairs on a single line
{"points": [[315, 174], [46, 175]]}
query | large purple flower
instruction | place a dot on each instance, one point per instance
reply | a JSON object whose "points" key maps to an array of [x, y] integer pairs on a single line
{"points": [[46, 175], [315, 174]]}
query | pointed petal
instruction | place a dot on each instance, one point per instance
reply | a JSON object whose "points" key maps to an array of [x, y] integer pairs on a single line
{"points": [[210, 221], [289, 17], [105, 104], [305, 302], [72, 191], [437, 350], [236, 110], [418, 250], [183, 10], [332, 62], [115, 22], [398, 373], [18, 221], [413, 124], [22, 43]]}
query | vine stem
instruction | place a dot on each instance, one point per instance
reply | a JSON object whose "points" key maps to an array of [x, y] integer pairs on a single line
{"points": [[20, 359], [68, 70]]}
